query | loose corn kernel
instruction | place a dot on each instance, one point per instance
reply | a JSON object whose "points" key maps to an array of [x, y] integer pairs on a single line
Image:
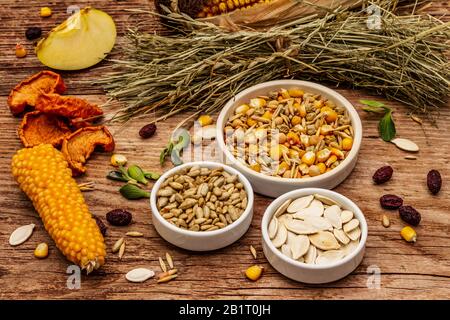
{"points": [[313, 140], [282, 168], [296, 93], [285, 94], [322, 167], [43, 174], [205, 120], [326, 129], [302, 110], [409, 234], [338, 153], [256, 167], [318, 104], [243, 108], [20, 51], [323, 155], [331, 160], [330, 114], [251, 122], [309, 158], [282, 138], [296, 120], [41, 250], [304, 168], [254, 272], [267, 115], [294, 154], [314, 170], [118, 160], [347, 144], [45, 12], [293, 138], [257, 102]]}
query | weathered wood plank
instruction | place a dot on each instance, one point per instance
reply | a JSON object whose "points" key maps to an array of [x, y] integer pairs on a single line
{"points": [[421, 270]]}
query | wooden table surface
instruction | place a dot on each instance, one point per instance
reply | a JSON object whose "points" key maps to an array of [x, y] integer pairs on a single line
{"points": [[420, 270]]}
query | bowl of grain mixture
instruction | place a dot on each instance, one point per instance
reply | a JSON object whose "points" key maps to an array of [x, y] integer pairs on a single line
{"points": [[287, 134]]}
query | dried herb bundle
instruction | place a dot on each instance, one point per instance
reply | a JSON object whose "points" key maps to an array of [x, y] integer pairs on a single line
{"points": [[200, 70]]}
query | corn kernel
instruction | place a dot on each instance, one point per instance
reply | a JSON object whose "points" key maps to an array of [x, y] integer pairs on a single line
{"points": [[304, 168], [331, 160], [296, 93], [330, 114], [41, 250], [60, 204], [285, 94], [318, 104], [347, 144], [20, 51], [205, 120], [322, 167], [302, 110], [296, 120], [314, 171], [257, 103], [118, 160], [243, 108], [282, 168], [267, 115], [313, 140], [293, 138], [326, 129], [256, 167], [251, 122], [276, 152], [309, 158], [254, 272], [45, 12], [409, 234], [282, 138], [294, 154], [323, 155], [338, 153]]}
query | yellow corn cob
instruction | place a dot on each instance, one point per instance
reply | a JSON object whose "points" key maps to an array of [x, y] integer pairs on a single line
{"points": [[216, 7], [43, 174]]}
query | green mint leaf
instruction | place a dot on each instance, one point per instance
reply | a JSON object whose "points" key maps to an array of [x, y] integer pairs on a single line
{"points": [[386, 127], [372, 103]]}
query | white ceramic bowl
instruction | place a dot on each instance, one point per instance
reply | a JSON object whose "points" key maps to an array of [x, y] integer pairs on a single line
{"points": [[208, 240], [275, 186], [308, 273]]}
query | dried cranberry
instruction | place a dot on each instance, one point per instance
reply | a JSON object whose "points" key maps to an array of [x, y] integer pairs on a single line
{"points": [[147, 131], [119, 217], [410, 215], [391, 201], [101, 225], [434, 181], [383, 174], [33, 33]]}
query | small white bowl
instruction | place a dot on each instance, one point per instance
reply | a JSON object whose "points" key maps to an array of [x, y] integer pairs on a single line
{"points": [[276, 186], [309, 273], [207, 240]]}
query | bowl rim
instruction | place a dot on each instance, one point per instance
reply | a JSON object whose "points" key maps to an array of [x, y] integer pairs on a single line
{"points": [[356, 124], [247, 186], [343, 200]]}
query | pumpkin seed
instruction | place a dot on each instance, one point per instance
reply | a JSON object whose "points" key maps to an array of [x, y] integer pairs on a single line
{"points": [[354, 234], [315, 209], [324, 240], [346, 216], [341, 236], [139, 275], [300, 227], [405, 145], [311, 254], [273, 227], [299, 246], [282, 209], [329, 257], [286, 250], [351, 225], [325, 200], [333, 215], [319, 223], [299, 204], [21, 234], [281, 236], [349, 248]]}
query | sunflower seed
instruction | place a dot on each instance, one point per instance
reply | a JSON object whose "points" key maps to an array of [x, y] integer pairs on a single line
{"points": [[351, 225], [21, 234], [324, 240], [280, 237], [405, 145], [299, 204], [139, 275], [117, 245]]}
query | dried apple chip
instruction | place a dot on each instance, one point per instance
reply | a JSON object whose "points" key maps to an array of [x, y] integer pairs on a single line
{"points": [[78, 147], [69, 107], [27, 92], [38, 128]]}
